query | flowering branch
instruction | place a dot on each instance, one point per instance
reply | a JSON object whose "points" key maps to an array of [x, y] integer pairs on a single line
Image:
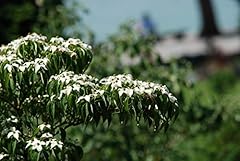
{"points": [[44, 78]]}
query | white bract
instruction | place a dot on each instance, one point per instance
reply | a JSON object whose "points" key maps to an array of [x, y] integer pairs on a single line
{"points": [[86, 97], [127, 91], [54, 143], [47, 135], [35, 144], [14, 134], [8, 67], [46, 141], [43, 126], [2, 155], [123, 84], [59, 44], [12, 119]]}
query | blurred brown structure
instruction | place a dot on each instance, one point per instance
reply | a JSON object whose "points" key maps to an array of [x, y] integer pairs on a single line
{"points": [[209, 24], [209, 51]]}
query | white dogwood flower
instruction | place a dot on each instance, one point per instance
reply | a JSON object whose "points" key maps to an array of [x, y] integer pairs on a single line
{"points": [[54, 143], [14, 133], [35, 144]]}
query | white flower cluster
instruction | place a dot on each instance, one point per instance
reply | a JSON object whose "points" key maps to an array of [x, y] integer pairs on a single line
{"points": [[78, 83], [46, 141], [94, 94], [14, 45], [61, 45], [68, 42], [117, 80], [9, 52], [9, 58], [13, 61], [18, 64], [124, 84], [68, 77], [57, 40]]}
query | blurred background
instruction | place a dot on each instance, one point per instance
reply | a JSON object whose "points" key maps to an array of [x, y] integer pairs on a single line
{"points": [[167, 16], [193, 46]]}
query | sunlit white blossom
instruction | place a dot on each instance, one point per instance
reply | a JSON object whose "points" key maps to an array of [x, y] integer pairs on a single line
{"points": [[172, 98], [8, 67], [123, 84], [127, 91], [2, 155], [12, 119], [42, 126], [87, 98], [57, 40], [14, 133], [66, 91], [54, 143], [35, 144]]}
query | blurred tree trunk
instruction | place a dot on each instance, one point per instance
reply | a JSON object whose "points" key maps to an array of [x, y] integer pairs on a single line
{"points": [[209, 24]]}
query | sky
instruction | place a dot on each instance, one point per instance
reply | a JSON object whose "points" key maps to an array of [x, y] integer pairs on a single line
{"points": [[168, 15]]}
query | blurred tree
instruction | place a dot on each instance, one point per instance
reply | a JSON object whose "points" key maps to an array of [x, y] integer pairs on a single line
{"points": [[209, 24], [19, 17], [209, 115]]}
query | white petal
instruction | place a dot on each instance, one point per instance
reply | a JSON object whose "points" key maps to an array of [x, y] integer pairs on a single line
{"points": [[8, 67], [16, 135], [9, 134], [87, 98], [129, 92], [39, 148], [120, 92], [37, 67]]}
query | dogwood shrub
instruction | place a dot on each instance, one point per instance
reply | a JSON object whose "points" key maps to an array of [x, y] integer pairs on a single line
{"points": [[44, 91]]}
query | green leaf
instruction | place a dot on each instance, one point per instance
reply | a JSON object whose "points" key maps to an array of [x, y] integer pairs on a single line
{"points": [[52, 109], [14, 144], [38, 156], [12, 85]]}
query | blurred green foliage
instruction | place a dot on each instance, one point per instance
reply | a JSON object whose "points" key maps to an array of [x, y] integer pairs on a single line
{"points": [[206, 128], [52, 18]]}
